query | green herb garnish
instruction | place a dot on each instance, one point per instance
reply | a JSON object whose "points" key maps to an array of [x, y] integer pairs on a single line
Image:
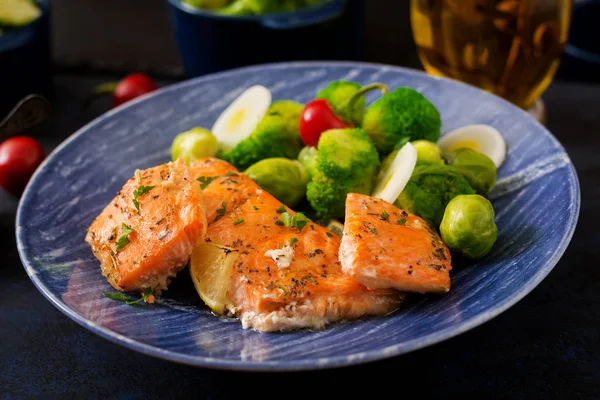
{"points": [[279, 223], [401, 221], [385, 216], [126, 299], [238, 221], [123, 240], [293, 241], [256, 208], [221, 211], [281, 210], [297, 221], [138, 193], [329, 234], [205, 181], [231, 173]]}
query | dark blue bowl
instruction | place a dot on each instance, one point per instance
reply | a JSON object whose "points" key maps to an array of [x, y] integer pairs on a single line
{"points": [[25, 65], [209, 43]]}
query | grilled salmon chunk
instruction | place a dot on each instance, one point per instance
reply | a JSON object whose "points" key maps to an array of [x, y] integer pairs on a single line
{"points": [[385, 247], [284, 277], [148, 231]]}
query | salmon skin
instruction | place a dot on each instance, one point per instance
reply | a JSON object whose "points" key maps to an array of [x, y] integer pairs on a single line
{"points": [[385, 247], [146, 234], [284, 277]]}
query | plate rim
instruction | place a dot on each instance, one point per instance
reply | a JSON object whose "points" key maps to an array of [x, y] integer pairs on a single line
{"points": [[300, 365]]}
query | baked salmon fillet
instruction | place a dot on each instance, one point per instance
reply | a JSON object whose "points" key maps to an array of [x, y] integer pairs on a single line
{"points": [[385, 247], [148, 231], [284, 277]]}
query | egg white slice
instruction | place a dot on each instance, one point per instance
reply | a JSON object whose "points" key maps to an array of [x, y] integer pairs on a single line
{"points": [[397, 175], [240, 118], [482, 138]]}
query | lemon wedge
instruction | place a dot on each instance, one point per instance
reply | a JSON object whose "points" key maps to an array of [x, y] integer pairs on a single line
{"points": [[211, 267], [18, 12], [393, 178], [240, 118]]}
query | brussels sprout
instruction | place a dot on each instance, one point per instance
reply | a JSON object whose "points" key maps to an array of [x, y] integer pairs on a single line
{"points": [[308, 159], [468, 225], [194, 144], [476, 167], [284, 178], [427, 152]]}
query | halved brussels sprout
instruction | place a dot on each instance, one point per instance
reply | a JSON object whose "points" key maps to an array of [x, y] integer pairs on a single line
{"points": [[194, 144], [428, 152], [283, 178], [476, 167]]}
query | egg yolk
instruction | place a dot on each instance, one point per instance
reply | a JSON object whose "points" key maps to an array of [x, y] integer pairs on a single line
{"points": [[236, 120], [465, 144]]}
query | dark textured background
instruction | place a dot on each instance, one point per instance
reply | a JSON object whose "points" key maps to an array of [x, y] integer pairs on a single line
{"points": [[545, 347]]}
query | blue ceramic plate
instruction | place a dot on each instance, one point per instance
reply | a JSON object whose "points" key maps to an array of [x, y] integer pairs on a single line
{"points": [[536, 200]]}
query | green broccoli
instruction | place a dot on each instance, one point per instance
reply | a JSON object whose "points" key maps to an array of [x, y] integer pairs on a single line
{"points": [[277, 135], [429, 190], [398, 115], [338, 93], [347, 161]]}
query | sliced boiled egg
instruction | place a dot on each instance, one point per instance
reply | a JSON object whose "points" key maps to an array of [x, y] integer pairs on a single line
{"points": [[240, 118], [395, 176], [482, 138]]}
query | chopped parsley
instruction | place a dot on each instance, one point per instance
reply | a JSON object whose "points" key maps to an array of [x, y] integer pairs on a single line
{"points": [[231, 173], [139, 192], [126, 299], [329, 234], [238, 221], [401, 221], [221, 211], [123, 240], [256, 208], [205, 181], [385, 216], [293, 241], [297, 221], [281, 210], [279, 223]]}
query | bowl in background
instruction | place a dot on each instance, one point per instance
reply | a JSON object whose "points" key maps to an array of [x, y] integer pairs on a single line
{"points": [[581, 59], [208, 42], [25, 63]]}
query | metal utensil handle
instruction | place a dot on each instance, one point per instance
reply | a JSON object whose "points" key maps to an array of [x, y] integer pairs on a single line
{"points": [[30, 111]]}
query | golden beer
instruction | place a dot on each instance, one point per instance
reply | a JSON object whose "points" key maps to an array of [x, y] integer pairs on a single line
{"points": [[508, 47]]}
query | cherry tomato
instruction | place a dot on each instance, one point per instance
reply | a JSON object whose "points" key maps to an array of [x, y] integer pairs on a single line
{"points": [[19, 158], [132, 86], [316, 118]]}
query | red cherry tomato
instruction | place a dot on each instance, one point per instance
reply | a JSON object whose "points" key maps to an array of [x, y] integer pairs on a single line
{"points": [[19, 158], [132, 86], [316, 118]]}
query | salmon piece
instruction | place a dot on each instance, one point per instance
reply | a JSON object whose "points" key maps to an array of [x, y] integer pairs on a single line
{"points": [[284, 277], [385, 247], [171, 221]]}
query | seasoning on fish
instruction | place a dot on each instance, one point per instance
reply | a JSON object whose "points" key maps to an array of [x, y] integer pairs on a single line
{"points": [[386, 247]]}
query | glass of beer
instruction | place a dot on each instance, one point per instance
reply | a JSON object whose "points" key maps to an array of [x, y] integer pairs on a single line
{"points": [[511, 48]]}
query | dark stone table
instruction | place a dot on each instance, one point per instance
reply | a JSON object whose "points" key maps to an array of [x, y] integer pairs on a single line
{"points": [[545, 347]]}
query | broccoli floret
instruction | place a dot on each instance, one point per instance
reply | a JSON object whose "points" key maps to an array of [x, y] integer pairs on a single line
{"points": [[401, 114], [347, 161], [337, 94], [277, 135], [430, 189]]}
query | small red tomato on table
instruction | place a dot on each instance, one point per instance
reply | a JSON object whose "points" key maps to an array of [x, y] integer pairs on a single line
{"points": [[19, 158], [128, 88]]}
